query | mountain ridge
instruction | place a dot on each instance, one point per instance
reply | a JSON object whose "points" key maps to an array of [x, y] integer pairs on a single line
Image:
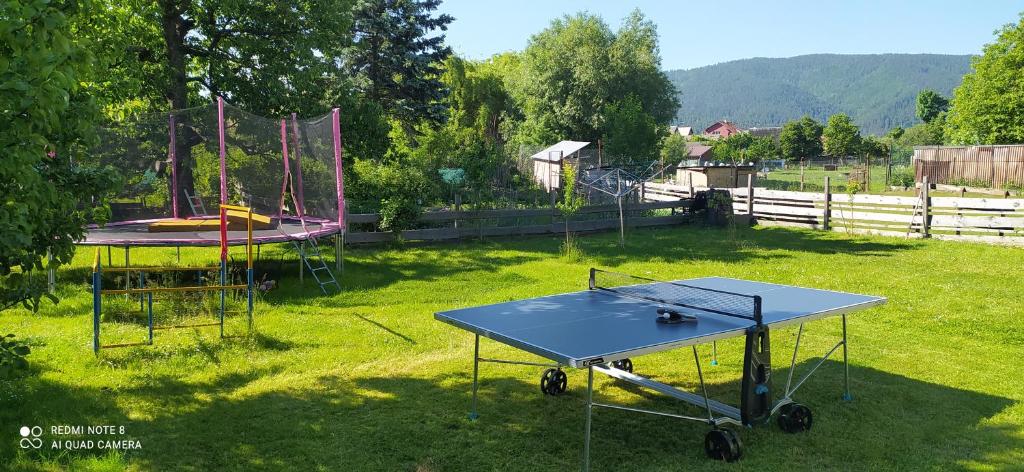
{"points": [[878, 91]]}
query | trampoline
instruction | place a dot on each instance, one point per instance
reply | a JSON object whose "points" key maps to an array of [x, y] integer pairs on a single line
{"points": [[174, 165], [136, 233]]}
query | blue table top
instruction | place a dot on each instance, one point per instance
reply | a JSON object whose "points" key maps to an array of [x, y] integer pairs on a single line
{"points": [[594, 326]]}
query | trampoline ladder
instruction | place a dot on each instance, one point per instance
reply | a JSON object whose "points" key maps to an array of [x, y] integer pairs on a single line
{"points": [[314, 261], [195, 202]]}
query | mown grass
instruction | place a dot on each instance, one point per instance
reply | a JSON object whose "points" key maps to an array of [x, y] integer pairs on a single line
{"points": [[366, 379]]}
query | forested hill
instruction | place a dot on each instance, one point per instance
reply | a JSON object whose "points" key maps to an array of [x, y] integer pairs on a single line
{"points": [[877, 90]]}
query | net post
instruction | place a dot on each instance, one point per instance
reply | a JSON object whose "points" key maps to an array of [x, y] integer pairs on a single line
{"points": [[173, 154], [339, 180], [223, 151], [297, 189], [757, 310], [593, 277], [287, 171]]}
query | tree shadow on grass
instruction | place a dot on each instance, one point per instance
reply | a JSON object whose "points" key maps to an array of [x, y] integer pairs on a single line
{"points": [[690, 243], [413, 423], [374, 268]]}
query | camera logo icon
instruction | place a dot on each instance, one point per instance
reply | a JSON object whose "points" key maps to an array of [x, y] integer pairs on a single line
{"points": [[30, 437]]}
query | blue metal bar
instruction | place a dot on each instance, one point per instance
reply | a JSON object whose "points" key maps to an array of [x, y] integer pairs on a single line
{"points": [[150, 317], [223, 281]]}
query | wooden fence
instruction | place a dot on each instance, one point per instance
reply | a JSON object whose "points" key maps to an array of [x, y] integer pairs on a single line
{"points": [[995, 220], [455, 225], [981, 166]]}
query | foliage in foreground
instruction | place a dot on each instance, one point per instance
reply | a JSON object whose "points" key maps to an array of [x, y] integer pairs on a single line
{"points": [[988, 107], [44, 114], [12, 356]]}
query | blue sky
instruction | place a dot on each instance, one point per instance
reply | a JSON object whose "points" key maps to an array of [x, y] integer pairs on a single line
{"points": [[695, 34]]}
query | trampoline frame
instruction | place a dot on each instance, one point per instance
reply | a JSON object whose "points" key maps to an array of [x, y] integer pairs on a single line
{"points": [[146, 293]]}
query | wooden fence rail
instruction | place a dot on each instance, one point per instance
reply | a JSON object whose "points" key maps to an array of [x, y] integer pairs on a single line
{"points": [[464, 224], [993, 220]]}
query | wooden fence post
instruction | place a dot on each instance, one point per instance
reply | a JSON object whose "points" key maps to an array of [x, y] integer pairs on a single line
{"points": [[828, 204], [801, 175], [750, 197], [925, 207], [458, 208]]}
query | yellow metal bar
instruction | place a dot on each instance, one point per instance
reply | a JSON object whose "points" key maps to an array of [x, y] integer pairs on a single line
{"points": [[204, 288], [158, 269], [234, 207], [197, 325], [112, 346]]}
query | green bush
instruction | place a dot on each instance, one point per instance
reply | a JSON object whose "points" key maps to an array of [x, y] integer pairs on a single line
{"points": [[398, 213], [903, 178], [12, 356]]}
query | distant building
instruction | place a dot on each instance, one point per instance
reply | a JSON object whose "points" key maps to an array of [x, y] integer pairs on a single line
{"points": [[721, 129], [772, 131], [547, 164], [720, 176], [684, 131], [699, 153]]}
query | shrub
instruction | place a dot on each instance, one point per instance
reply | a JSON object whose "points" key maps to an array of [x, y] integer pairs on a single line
{"points": [[903, 178], [12, 356], [398, 213]]}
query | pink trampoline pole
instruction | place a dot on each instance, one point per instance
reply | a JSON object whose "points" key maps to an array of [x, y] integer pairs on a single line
{"points": [[223, 152], [287, 171], [298, 170], [339, 176]]}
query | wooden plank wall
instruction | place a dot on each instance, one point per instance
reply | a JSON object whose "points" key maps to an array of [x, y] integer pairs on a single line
{"points": [[992, 220], [454, 225], [998, 166]]}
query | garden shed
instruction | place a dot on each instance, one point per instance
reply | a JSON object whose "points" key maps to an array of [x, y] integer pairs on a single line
{"points": [[717, 176], [547, 164]]}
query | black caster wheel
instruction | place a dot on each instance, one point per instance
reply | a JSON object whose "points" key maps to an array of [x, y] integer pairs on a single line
{"points": [[553, 382], [624, 364], [723, 445], [795, 418]]}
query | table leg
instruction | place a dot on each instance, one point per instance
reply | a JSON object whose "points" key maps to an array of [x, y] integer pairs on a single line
{"points": [[846, 365], [704, 389], [476, 370], [586, 428]]}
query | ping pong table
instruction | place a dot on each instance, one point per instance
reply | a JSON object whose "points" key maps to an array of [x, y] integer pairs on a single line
{"points": [[621, 317]]}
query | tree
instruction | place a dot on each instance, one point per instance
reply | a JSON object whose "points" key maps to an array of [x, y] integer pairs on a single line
{"points": [[874, 147], [571, 203], [895, 133], [732, 148], [988, 106], [577, 71], [44, 114], [396, 57], [841, 136], [924, 134], [269, 58], [629, 132], [761, 148], [930, 104], [673, 149], [801, 139]]}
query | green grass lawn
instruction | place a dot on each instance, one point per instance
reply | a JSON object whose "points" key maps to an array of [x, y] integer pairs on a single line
{"points": [[814, 179], [366, 379]]}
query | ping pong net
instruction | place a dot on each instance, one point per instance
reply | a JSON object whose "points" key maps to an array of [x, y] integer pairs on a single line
{"points": [[709, 300]]}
